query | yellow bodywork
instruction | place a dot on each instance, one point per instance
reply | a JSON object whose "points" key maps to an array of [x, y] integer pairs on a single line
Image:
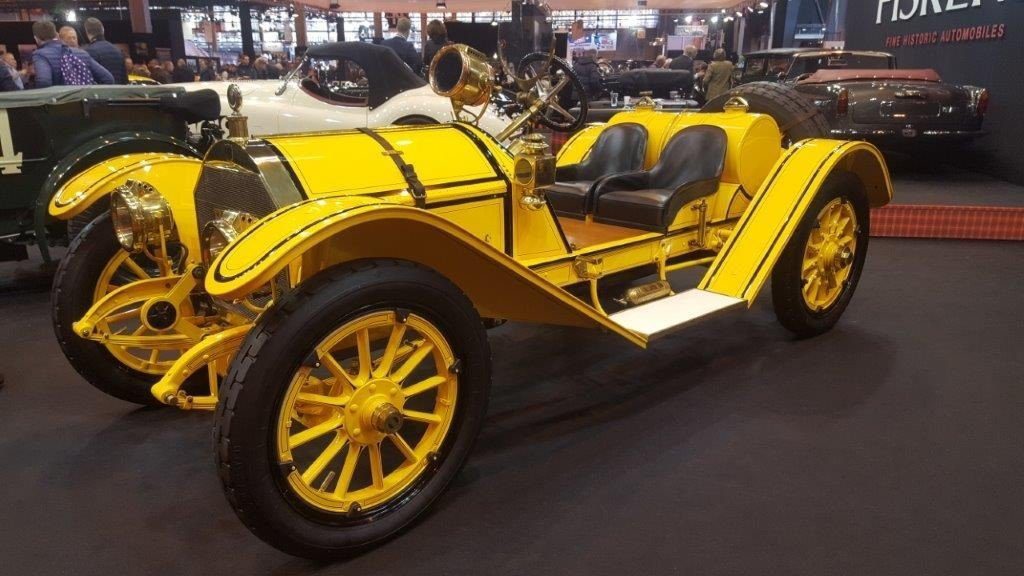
{"points": [[173, 175], [748, 256], [485, 226]]}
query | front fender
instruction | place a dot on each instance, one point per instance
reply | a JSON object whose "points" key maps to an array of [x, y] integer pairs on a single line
{"points": [[91, 153], [318, 234], [173, 175], [96, 182]]}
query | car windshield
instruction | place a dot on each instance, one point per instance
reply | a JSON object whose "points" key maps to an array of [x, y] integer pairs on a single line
{"points": [[811, 64], [338, 80]]}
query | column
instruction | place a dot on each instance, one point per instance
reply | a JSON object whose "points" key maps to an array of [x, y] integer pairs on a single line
{"points": [[300, 28], [245, 19], [139, 12], [378, 25]]}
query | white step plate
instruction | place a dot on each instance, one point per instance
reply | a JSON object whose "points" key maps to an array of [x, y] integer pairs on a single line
{"points": [[667, 315]]}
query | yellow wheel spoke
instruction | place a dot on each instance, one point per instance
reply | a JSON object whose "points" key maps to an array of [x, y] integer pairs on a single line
{"points": [[365, 361], [323, 400], [376, 467], [336, 369], [421, 416], [414, 360], [136, 269], [421, 387], [394, 341], [348, 469], [321, 462], [154, 355], [296, 440], [404, 448]]}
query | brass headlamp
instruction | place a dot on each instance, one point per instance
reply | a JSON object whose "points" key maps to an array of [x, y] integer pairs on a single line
{"points": [[462, 74], [218, 233], [142, 218]]}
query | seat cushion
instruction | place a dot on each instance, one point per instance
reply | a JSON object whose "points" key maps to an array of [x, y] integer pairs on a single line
{"points": [[569, 198], [650, 208]]}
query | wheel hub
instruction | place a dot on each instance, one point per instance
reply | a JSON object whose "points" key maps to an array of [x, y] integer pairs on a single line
{"points": [[374, 412], [829, 255], [161, 315]]}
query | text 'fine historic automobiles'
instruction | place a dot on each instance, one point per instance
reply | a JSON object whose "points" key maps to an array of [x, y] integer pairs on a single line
{"points": [[341, 283]]}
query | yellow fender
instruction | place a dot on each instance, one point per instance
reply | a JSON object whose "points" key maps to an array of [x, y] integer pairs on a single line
{"points": [[173, 175], [747, 259], [317, 234]]}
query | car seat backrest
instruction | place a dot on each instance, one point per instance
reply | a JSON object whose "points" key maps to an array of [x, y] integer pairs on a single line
{"points": [[695, 153], [619, 148]]}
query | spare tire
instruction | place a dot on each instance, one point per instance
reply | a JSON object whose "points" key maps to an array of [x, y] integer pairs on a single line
{"points": [[796, 116]]}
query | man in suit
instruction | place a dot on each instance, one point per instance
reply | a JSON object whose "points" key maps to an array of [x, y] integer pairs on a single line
{"points": [[403, 47], [685, 60], [47, 58], [104, 52]]}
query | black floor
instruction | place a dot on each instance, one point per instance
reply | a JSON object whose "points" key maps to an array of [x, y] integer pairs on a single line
{"points": [[892, 445]]}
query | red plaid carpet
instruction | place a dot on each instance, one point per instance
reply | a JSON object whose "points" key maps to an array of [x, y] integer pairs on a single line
{"points": [[956, 222]]}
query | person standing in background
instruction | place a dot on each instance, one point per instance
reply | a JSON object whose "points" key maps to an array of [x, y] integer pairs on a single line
{"points": [[104, 52], [718, 78], [586, 69], [659, 62], [437, 38], [403, 47], [206, 71], [8, 61], [685, 60], [183, 72], [244, 71], [157, 72], [52, 59], [7, 77], [69, 36]]}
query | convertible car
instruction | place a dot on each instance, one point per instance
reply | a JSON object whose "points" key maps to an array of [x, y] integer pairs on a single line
{"points": [[344, 85], [864, 96]]}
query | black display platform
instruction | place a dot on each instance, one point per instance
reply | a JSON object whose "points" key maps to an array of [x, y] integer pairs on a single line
{"points": [[891, 445]]}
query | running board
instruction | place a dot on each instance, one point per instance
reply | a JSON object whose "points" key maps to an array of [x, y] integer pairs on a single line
{"points": [[664, 316]]}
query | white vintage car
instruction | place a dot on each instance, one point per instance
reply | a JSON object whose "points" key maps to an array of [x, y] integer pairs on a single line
{"points": [[344, 85]]}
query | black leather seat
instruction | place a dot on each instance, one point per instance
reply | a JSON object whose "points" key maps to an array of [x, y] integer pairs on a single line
{"points": [[689, 168], [619, 148]]}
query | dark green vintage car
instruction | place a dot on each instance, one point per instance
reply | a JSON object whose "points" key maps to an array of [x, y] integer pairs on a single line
{"points": [[49, 135]]}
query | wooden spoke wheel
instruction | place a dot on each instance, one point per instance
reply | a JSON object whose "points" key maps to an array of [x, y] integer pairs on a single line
{"points": [[350, 406], [817, 273]]}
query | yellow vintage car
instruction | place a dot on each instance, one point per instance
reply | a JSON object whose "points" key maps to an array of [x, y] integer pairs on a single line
{"points": [[331, 291]]}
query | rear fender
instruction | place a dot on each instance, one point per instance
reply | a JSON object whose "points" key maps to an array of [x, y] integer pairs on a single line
{"points": [[747, 258], [315, 235]]}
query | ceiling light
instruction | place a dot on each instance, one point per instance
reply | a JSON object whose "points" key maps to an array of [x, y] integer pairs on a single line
{"points": [[441, 5], [739, 14], [688, 19], [714, 19], [762, 4]]}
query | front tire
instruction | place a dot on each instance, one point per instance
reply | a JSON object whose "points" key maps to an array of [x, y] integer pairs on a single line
{"points": [[302, 398], [75, 289], [817, 273]]}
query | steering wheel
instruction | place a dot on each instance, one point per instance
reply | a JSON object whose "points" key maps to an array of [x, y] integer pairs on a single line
{"points": [[555, 87]]}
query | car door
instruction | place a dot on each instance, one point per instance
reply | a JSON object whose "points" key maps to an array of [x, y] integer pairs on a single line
{"points": [[330, 94]]}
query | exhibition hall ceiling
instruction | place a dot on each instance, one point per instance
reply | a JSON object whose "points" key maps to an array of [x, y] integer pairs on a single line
{"points": [[492, 5]]}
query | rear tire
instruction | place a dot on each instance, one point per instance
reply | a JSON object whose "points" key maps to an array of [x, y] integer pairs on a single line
{"points": [[247, 429], [788, 277], [796, 116]]}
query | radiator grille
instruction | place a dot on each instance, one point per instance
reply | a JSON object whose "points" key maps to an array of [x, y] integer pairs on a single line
{"points": [[227, 187]]}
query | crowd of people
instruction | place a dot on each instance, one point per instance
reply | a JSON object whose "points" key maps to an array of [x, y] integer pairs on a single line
{"points": [[59, 60]]}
